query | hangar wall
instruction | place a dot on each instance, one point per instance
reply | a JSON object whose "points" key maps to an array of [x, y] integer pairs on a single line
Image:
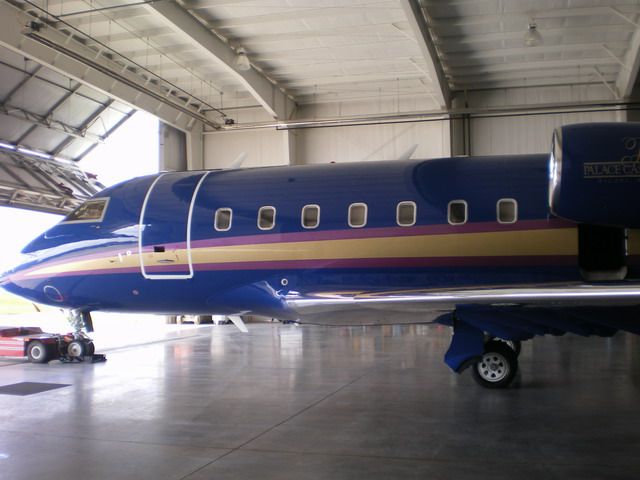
{"points": [[513, 133], [373, 141], [328, 144], [263, 147], [531, 132]]}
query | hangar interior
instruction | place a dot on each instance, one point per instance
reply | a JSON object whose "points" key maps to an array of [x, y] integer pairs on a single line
{"points": [[295, 82]]}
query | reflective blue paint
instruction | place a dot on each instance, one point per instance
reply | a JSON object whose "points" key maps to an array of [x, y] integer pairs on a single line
{"points": [[576, 194], [382, 185]]}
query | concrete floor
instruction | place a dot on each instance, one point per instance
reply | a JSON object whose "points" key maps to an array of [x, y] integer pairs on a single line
{"points": [[324, 403]]}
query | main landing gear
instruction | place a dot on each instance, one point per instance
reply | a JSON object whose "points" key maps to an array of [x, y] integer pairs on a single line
{"points": [[493, 361], [498, 365]]}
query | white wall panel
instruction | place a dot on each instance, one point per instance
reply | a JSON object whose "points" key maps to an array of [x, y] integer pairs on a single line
{"points": [[263, 148], [530, 133], [372, 142]]}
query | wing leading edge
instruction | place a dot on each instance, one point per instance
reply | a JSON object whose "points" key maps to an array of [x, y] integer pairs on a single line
{"points": [[415, 301]]}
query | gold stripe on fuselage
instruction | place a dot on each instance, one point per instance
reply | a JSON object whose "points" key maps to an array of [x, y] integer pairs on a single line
{"points": [[548, 242]]}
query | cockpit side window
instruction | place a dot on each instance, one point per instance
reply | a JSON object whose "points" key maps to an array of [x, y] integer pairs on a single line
{"points": [[89, 211]]}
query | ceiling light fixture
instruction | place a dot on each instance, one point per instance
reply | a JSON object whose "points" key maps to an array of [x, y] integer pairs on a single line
{"points": [[532, 37], [242, 61]]}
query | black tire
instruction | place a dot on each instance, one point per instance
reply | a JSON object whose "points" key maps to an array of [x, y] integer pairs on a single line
{"points": [[498, 366], [37, 352], [76, 349], [90, 348], [515, 345]]}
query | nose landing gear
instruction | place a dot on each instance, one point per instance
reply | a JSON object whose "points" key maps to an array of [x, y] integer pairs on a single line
{"points": [[80, 347]]}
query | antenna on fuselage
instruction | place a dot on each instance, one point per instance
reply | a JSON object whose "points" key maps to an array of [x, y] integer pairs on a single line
{"points": [[407, 154], [237, 163]]}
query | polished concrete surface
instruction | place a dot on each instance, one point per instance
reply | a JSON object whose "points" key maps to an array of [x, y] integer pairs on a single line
{"points": [[294, 402]]}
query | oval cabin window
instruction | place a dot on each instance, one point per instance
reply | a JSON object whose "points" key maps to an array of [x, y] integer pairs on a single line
{"points": [[507, 210], [266, 218], [310, 216], [222, 221], [357, 215], [457, 212], [406, 214]]}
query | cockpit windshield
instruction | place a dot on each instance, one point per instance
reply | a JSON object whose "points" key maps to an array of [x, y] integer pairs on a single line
{"points": [[90, 211]]}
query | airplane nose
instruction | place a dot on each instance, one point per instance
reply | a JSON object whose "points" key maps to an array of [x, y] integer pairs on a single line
{"points": [[7, 278], [4, 278]]}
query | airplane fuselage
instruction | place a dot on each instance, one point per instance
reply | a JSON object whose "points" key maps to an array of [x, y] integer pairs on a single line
{"points": [[160, 246]]}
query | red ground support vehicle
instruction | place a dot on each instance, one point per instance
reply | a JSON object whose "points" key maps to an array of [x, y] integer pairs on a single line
{"points": [[41, 347]]}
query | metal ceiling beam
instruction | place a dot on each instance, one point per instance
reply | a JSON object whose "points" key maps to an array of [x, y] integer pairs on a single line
{"points": [[68, 94], [151, 51], [377, 31], [391, 80], [418, 22], [68, 57], [85, 125], [29, 76], [107, 134], [95, 18], [27, 132], [195, 4], [277, 103], [126, 37], [44, 121], [56, 85], [293, 14]]}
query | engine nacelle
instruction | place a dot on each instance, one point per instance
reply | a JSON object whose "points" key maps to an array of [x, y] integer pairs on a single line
{"points": [[594, 174]]}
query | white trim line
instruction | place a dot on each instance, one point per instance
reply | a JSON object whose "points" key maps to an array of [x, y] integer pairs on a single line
{"points": [[188, 236]]}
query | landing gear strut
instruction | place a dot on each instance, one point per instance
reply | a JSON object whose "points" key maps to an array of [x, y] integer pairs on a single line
{"points": [[81, 346], [493, 360], [498, 366]]}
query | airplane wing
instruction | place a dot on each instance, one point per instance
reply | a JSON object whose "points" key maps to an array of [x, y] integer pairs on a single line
{"points": [[511, 314], [425, 306]]}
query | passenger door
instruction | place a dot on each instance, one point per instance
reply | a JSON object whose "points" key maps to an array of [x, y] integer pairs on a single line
{"points": [[164, 238]]}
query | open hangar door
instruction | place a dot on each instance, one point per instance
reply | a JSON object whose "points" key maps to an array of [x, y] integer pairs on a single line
{"points": [[48, 123]]}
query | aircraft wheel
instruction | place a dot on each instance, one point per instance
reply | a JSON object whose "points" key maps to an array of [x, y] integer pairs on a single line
{"points": [[38, 352], [498, 366], [75, 349], [515, 345]]}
